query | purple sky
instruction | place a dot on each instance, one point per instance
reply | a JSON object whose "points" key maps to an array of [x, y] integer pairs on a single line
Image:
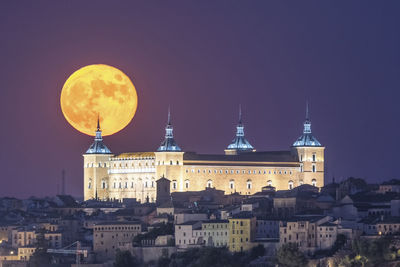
{"points": [[203, 58]]}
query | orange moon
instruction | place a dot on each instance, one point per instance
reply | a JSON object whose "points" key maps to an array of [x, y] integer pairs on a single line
{"points": [[98, 90]]}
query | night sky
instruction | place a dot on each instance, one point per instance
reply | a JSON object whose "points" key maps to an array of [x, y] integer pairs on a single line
{"points": [[203, 58]]}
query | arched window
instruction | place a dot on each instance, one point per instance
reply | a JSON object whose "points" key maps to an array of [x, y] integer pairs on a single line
{"points": [[152, 183], [187, 184], [115, 185], [145, 184], [301, 167], [314, 169], [174, 185], [314, 157], [269, 183], [209, 183], [170, 163], [249, 185], [314, 182], [290, 184], [177, 162], [103, 184], [231, 184], [126, 184], [90, 184], [131, 184], [120, 185]]}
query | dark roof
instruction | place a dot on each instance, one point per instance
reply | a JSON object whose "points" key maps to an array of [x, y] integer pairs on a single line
{"points": [[269, 156], [310, 218], [68, 201], [216, 221], [189, 223], [243, 215], [328, 224], [119, 223]]}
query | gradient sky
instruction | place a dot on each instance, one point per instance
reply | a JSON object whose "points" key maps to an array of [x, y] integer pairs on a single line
{"points": [[203, 58]]}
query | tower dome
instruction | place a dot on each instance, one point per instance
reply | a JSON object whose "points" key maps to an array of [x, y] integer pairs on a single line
{"points": [[169, 143], [306, 139], [98, 147], [239, 143]]}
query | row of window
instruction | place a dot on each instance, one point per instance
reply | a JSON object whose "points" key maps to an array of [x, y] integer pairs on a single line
{"points": [[249, 184], [313, 158], [108, 228], [209, 171]]}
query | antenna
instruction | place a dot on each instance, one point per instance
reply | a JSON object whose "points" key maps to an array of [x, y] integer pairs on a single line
{"points": [[63, 182]]}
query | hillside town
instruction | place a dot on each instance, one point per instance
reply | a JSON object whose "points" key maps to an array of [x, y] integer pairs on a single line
{"points": [[325, 226]]}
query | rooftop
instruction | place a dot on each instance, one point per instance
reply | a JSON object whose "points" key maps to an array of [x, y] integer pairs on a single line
{"points": [[267, 156]]}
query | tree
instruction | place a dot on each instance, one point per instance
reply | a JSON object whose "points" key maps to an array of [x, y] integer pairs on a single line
{"points": [[125, 259], [257, 251], [289, 255], [40, 257]]}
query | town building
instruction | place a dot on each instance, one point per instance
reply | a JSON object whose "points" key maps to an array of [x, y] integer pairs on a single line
{"points": [[215, 233], [242, 231], [109, 236]]}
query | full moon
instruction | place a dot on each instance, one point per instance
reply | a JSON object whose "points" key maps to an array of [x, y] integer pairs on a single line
{"points": [[98, 91]]}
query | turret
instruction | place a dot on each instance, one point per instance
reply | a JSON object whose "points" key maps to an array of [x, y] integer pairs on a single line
{"points": [[310, 153], [239, 143], [96, 163], [169, 158]]}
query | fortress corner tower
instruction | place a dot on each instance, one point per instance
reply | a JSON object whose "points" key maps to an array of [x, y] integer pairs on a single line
{"points": [[169, 158], [95, 165], [311, 156]]}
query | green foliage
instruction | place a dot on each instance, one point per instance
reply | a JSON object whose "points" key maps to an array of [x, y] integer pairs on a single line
{"points": [[40, 257], [289, 255], [210, 257], [369, 253], [257, 251], [339, 243], [125, 259]]}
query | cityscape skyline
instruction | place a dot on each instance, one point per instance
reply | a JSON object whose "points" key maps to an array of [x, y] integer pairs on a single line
{"points": [[203, 61]]}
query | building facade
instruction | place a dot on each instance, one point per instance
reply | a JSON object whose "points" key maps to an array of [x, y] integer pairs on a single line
{"points": [[240, 169]]}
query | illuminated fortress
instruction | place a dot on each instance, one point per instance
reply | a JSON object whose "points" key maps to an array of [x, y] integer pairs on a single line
{"points": [[240, 169]]}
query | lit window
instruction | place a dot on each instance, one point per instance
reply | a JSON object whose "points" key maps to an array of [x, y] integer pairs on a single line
{"points": [[249, 184], [314, 182], [231, 184], [269, 183], [209, 183], [290, 185]]}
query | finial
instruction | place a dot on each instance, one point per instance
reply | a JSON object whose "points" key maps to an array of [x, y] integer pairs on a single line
{"points": [[240, 113], [169, 115], [98, 121], [307, 115]]}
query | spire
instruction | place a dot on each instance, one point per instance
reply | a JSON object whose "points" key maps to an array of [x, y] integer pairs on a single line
{"points": [[169, 115], [307, 139], [240, 114], [98, 122], [98, 131], [169, 143], [239, 143], [307, 123], [98, 147]]}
